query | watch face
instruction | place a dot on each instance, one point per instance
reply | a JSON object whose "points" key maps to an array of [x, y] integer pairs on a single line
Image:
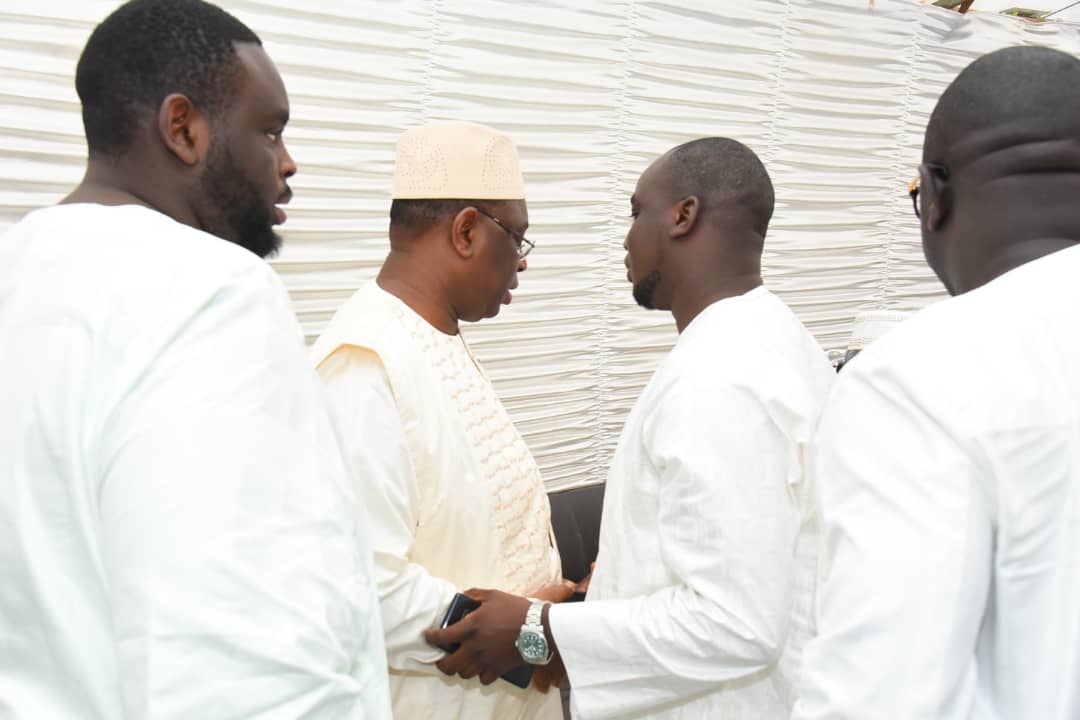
{"points": [[532, 646]]}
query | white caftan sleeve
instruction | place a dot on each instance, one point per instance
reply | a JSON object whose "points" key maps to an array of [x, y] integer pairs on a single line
{"points": [[727, 537], [906, 562], [412, 599], [239, 574]]}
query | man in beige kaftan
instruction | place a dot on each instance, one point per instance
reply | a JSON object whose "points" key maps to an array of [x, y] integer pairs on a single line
{"points": [[454, 496]]}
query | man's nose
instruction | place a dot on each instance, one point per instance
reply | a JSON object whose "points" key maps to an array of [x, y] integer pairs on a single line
{"points": [[287, 165]]}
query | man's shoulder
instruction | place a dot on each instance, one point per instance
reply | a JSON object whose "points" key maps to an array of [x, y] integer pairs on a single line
{"points": [[131, 241], [125, 262], [957, 356], [939, 359], [970, 326], [368, 319], [943, 334], [152, 236], [759, 338]]}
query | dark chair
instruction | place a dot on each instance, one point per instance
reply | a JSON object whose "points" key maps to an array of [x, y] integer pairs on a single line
{"points": [[575, 519]]}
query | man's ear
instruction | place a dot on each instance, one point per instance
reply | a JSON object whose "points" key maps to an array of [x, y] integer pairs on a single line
{"points": [[461, 232], [936, 194], [686, 215], [183, 129]]}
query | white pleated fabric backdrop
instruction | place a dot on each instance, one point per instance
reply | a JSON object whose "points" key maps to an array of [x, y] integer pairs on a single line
{"points": [[833, 94]]}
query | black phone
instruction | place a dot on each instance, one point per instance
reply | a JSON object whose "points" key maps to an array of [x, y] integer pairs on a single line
{"points": [[462, 605]]}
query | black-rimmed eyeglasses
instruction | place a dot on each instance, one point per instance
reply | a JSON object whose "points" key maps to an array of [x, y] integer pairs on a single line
{"points": [[913, 186], [524, 245]]}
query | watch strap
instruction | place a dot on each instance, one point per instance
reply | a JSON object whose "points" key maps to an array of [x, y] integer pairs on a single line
{"points": [[536, 610]]}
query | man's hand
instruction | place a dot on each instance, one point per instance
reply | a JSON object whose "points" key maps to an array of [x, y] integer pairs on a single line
{"points": [[487, 636], [555, 592], [583, 586], [551, 675]]}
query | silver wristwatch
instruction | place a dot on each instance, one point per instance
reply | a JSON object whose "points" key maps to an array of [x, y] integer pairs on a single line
{"points": [[531, 642]]}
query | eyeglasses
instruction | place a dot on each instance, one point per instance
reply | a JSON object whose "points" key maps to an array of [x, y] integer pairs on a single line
{"points": [[913, 186], [913, 191], [524, 245]]}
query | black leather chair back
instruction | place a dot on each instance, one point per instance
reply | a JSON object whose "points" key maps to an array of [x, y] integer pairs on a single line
{"points": [[575, 519]]}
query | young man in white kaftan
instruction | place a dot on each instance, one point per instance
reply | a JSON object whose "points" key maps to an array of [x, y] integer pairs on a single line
{"points": [[178, 535], [950, 450], [703, 589], [455, 496]]}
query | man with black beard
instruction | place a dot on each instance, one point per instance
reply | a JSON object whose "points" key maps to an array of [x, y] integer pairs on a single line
{"points": [[246, 211], [178, 537], [702, 596]]}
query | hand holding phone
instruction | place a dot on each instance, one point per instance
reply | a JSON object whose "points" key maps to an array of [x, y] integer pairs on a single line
{"points": [[460, 606]]}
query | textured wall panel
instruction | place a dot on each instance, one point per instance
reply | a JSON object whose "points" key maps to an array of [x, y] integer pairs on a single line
{"points": [[833, 94]]}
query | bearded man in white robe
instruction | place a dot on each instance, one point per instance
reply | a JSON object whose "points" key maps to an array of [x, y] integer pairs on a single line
{"points": [[179, 537]]}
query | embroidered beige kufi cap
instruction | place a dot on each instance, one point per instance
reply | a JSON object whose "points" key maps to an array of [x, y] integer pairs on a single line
{"points": [[444, 160]]}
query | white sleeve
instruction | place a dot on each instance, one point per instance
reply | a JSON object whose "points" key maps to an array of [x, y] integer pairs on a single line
{"points": [[728, 530], [412, 599], [239, 576], [906, 561]]}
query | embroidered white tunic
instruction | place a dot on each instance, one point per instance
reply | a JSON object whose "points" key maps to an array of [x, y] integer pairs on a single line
{"points": [[455, 496]]}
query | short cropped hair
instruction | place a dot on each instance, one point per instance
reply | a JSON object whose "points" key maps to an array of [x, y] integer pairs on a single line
{"points": [[146, 50], [1035, 86], [421, 215], [716, 167]]}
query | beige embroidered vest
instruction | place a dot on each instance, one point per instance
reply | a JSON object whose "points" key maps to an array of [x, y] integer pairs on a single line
{"points": [[483, 518]]}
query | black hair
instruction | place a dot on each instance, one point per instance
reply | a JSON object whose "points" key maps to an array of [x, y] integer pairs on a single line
{"points": [[146, 50], [420, 215], [1034, 86], [716, 168]]}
